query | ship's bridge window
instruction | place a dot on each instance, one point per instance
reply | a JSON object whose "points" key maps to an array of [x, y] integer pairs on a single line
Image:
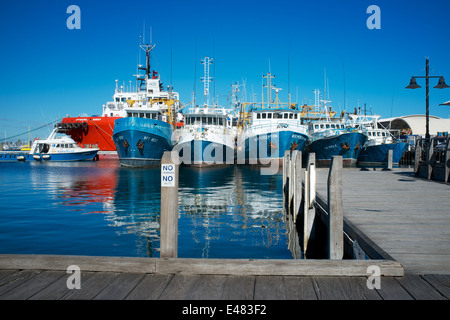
{"points": [[285, 115], [264, 115], [136, 115], [378, 133], [209, 120], [291, 115], [269, 115], [328, 126], [295, 116], [258, 116], [124, 99], [220, 122], [117, 99], [316, 126], [333, 126]]}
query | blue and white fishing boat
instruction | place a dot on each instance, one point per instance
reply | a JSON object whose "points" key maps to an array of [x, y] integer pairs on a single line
{"points": [[146, 132], [57, 147], [376, 149], [207, 136], [332, 136], [268, 130]]}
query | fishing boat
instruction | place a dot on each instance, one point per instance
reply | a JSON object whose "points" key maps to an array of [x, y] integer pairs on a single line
{"points": [[142, 136], [206, 138], [57, 147], [267, 130], [97, 130], [208, 135], [376, 149], [333, 136]]}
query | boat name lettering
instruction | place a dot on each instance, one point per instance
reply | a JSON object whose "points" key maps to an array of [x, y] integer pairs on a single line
{"points": [[330, 146]]}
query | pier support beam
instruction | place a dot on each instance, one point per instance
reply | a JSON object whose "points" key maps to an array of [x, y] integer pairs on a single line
{"points": [[335, 210], [169, 205]]}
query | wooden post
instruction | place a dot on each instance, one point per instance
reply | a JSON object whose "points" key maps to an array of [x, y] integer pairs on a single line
{"points": [[310, 196], [285, 177], [335, 210], [447, 161], [291, 169], [390, 156], [430, 158], [297, 184], [169, 205], [417, 156]]}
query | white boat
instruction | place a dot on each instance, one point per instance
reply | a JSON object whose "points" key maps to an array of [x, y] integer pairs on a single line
{"points": [[60, 147]]}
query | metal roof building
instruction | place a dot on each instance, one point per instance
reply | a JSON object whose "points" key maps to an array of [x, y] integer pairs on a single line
{"points": [[415, 124]]}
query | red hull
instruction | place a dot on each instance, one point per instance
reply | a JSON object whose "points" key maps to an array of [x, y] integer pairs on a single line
{"points": [[95, 132]]}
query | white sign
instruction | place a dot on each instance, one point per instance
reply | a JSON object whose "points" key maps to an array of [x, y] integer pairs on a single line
{"points": [[167, 175]]}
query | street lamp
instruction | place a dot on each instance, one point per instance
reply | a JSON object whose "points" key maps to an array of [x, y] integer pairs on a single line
{"points": [[441, 85]]}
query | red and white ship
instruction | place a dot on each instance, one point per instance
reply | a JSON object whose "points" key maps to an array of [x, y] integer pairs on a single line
{"points": [[97, 131]]}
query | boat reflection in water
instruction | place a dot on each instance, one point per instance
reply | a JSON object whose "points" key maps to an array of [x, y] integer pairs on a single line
{"points": [[103, 209], [225, 212], [231, 212]]}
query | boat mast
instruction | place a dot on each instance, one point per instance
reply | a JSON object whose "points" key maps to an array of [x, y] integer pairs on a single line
{"points": [[206, 79]]}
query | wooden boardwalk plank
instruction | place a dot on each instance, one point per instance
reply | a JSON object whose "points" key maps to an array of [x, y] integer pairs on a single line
{"points": [[58, 289], [269, 288], [33, 285], [440, 282], [179, 287], [208, 287], [15, 279], [120, 287], [299, 288], [92, 286], [238, 288], [390, 289], [150, 288], [418, 288]]}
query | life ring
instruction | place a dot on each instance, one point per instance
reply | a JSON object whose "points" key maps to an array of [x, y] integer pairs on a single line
{"points": [[126, 144], [84, 124], [117, 115]]}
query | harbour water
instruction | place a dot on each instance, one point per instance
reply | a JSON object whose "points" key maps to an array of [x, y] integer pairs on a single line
{"points": [[102, 209]]}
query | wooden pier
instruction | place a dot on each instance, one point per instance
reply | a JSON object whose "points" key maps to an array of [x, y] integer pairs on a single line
{"points": [[405, 219]]}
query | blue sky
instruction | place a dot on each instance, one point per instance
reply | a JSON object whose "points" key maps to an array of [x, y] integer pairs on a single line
{"points": [[49, 71]]}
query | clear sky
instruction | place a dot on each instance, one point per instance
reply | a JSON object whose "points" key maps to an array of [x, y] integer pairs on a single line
{"points": [[48, 71]]}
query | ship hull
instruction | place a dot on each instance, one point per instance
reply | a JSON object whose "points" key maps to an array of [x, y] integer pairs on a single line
{"points": [[266, 147], [378, 155], [348, 145], [60, 157], [141, 142], [92, 132], [205, 153]]}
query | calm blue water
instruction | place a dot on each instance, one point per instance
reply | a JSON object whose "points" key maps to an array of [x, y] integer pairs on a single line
{"points": [[102, 209]]}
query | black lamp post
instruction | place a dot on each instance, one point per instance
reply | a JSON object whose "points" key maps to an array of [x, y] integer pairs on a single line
{"points": [[441, 85]]}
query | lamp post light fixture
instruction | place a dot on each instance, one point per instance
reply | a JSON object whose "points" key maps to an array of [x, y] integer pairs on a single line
{"points": [[441, 85]]}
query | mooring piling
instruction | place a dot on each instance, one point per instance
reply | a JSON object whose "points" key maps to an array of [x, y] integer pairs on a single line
{"points": [[169, 204]]}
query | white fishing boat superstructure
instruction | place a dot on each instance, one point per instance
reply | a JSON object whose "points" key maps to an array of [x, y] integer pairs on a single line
{"points": [[208, 135]]}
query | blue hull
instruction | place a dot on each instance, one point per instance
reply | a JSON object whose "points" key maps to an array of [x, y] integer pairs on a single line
{"points": [[202, 152], [16, 156], [348, 145], [378, 155], [273, 145], [141, 142]]}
